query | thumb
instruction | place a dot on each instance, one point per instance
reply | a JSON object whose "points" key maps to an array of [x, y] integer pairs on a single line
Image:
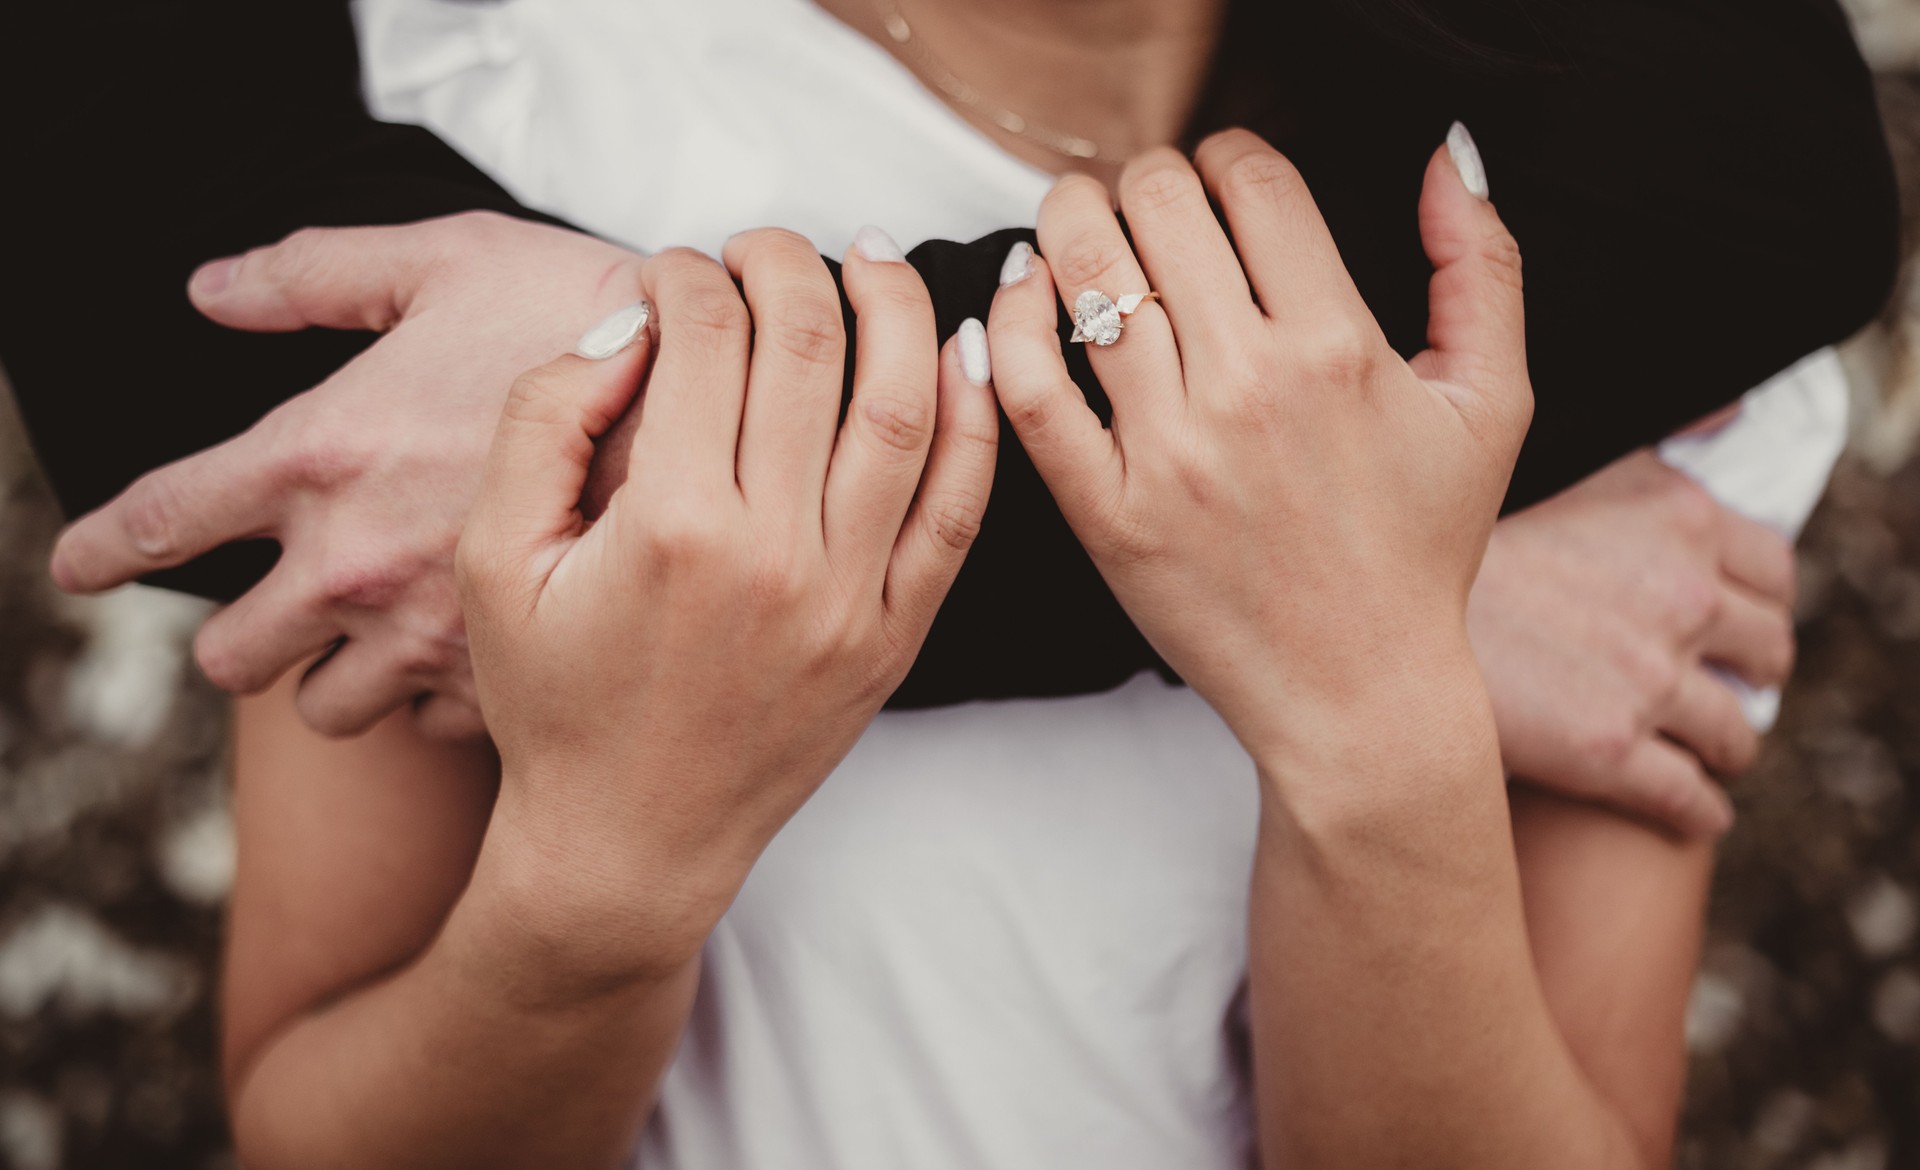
{"points": [[1476, 323], [337, 278], [528, 508]]}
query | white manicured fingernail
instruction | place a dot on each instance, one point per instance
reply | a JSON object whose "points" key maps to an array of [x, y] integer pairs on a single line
{"points": [[875, 244], [1018, 265], [616, 332], [974, 362], [1466, 159]]}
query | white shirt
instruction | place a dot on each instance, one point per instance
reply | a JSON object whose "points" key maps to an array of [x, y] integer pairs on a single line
{"points": [[1007, 935]]}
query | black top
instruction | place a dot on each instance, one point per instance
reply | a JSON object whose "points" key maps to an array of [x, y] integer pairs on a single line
{"points": [[1700, 189]]}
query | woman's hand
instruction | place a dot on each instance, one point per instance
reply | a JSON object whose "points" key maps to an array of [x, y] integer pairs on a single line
{"points": [[1288, 510], [1596, 618], [669, 684], [366, 479]]}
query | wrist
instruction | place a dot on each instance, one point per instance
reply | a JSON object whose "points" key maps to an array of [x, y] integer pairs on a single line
{"points": [[567, 905], [1404, 722]]}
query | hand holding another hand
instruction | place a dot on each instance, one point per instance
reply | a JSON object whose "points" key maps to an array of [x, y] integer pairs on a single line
{"points": [[366, 479], [1596, 618], [669, 684]]}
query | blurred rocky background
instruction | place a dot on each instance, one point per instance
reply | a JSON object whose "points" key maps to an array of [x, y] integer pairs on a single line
{"points": [[116, 847]]}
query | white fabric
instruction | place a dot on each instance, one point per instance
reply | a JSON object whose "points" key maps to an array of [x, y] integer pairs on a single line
{"points": [[658, 123], [1771, 464], [1004, 935]]}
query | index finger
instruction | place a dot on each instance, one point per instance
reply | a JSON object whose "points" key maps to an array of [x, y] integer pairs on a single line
{"points": [[170, 516]]}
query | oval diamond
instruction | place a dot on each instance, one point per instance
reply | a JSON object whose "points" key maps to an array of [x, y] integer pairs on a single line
{"points": [[1096, 318]]}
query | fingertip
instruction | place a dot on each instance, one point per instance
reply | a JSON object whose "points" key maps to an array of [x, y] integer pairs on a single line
{"points": [[970, 345], [874, 245], [60, 566], [1468, 167], [68, 563], [212, 279], [618, 331]]}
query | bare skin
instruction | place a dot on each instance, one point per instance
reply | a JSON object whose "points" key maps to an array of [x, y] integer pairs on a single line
{"points": [[1611, 908], [365, 483], [353, 1044], [1123, 73], [737, 614]]}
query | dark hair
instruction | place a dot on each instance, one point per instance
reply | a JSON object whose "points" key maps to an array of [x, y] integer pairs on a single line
{"points": [[1495, 36]]}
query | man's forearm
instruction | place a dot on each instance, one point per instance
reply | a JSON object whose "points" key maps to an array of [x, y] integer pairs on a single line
{"points": [[1396, 1012]]}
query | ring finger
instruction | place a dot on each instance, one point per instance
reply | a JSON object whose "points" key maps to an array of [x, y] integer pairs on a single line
{"points": [[1087, 252]]}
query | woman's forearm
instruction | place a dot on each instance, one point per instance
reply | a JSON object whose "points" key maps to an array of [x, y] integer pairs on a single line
{"points": [[1397, 1016], [531, 1033]]}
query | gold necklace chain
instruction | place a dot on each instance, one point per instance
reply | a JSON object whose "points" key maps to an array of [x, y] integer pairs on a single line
{"points": [[965, 93]]}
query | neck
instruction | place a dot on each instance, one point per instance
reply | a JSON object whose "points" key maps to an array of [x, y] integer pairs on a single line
{"points": [[1123, 74]]}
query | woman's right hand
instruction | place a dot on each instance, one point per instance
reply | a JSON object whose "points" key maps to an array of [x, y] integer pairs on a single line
{"points": [[668, 684]]}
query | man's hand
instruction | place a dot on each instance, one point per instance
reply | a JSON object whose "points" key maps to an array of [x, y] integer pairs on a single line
{"points": [[366, 479], [1596, 617]]}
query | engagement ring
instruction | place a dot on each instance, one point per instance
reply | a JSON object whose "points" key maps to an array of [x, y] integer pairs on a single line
{"points": [[1098, 318]]}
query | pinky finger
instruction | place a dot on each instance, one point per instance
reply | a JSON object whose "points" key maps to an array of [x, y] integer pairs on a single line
{"points": [[952, 498]]}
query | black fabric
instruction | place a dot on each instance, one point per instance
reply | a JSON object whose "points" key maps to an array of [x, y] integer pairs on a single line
{"points": [[1700, 189]]}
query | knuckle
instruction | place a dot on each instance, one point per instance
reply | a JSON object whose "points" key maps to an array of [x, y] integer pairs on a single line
{"points": [[953, 520], [319, 457], [774, 579], [1260, 174], [1254, 407], [1344, 352], [682, 530], [710, 312], [300, 253], [537, 397], [897, 423], [1656, 674], [152, 518], [223, 665], [1031, 410], [675, 268], [903, 299], [1693, 603], [1500, 253], [362, 584], [1157, 180], [1197, 481], [806, 326], [777, 243], [1691, 510], [1086, 261], [1607, 739]]}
